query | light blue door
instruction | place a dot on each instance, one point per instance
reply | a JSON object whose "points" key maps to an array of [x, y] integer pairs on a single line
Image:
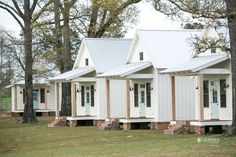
{"points": [[87, 100], [142, 100], [214, 100], [36, 99]]}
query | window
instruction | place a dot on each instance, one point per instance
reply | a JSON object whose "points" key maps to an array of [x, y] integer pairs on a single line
{"points": [[23, 95], [148, 91], [92, 96], [213, 50], [82, 95], [206, 93], [86, 62], [141, 56], [136, 95], [42, 95], [222, 93]]}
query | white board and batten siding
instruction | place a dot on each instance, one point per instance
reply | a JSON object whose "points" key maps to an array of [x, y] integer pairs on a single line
{"points": [[164, 98], [185, 90]]}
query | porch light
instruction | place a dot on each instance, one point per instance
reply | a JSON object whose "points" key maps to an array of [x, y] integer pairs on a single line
{"points": [[20, 92], [151, 88], [48, 91], [196, 87], [131, 88], [78, 91], [226, 86]]}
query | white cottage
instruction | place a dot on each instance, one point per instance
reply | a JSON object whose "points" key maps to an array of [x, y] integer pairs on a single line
{"points": [[43, 97], [89, 101], [148, 94], [213, 89]]}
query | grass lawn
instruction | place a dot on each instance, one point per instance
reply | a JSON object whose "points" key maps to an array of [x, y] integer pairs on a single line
{"points": [[39, 140]]}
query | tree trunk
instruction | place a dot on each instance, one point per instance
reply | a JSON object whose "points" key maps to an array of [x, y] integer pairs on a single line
{"points": [[231, 10], [29, 115], [67, 61]]}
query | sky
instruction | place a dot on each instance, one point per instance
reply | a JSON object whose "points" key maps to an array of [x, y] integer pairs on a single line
{"points": [[148, 19]]}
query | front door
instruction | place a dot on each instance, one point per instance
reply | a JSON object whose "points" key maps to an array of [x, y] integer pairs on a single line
{"points": [[87, 100], [214, 100], [36, 99], [142, 100]]}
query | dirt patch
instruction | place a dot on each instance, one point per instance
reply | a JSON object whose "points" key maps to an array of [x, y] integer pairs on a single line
{"points": [[4, 114]]}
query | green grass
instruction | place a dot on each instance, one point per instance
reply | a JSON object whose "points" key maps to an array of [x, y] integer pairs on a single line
{"points": [[40, 141]]}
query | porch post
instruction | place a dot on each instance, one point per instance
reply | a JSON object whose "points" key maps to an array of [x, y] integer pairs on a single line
{"points": [[73, 113], [15, 96], [57, 101], [108, 97], [200, 96], [173, 101], [45, 96], [127, 99]]}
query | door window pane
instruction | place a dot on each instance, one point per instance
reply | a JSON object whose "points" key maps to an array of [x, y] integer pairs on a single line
{"points": [[142, 96]]}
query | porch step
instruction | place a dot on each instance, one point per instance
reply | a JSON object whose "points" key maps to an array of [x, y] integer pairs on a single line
{"points": [[57, 123], [109, 124], [181, 127]]}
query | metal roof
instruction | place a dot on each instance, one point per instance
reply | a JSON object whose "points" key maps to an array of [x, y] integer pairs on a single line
{"points": [[107, 53], [72, 74], [196, 64], [126, 69], [166, 47]]}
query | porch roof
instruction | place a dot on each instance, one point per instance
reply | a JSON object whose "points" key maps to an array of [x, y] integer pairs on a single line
{"points": [[126, 69], [195, 64], [72, 74]]}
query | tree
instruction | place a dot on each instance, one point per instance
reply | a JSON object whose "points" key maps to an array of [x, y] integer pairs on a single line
{"points": [[22, 12], [212, 10], [194, 25], [73, 20]]}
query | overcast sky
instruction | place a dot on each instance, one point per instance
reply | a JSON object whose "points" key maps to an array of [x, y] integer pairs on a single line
{"points": [[149, 19]]}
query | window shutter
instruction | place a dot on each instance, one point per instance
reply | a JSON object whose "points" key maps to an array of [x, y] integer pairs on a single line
{"points": [[82, 95], [42, 95], [206, 93], [136, 95], [23, 95], [92, 95], [222, 93], [148, 94]]}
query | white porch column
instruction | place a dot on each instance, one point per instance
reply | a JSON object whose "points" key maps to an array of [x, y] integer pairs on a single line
{"points": [[200, 96], [127, 99], [108, 98], [173, 100], [73, 101], [57, 101]]}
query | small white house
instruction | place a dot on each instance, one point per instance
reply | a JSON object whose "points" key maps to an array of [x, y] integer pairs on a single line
{"points": [[89, 100], [148, 93], [43, 97], [213, 88]]}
